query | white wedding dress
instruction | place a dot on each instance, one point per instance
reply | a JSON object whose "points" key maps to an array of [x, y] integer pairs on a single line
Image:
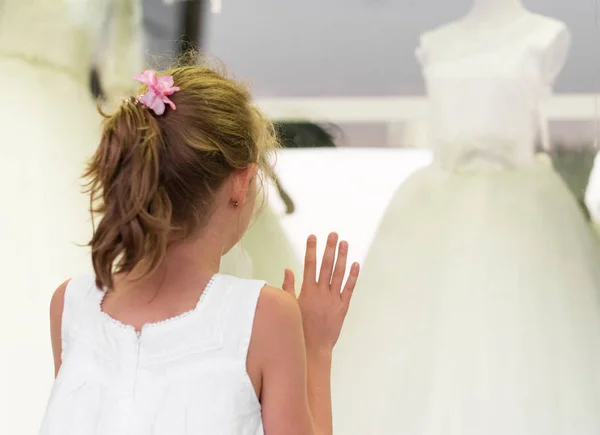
{"points": [[49, 125], [478, 311], [267, 245]]}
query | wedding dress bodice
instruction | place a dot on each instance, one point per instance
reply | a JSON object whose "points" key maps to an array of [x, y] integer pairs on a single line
{"points": [[486, 101], [67, 35]]}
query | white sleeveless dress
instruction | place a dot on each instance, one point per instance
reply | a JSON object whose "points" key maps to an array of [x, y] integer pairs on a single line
{"points": [[49, 125], [478, 310], [183, 376]]}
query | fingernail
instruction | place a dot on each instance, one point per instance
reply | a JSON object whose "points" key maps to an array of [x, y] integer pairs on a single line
{"points": [[332, 236]]}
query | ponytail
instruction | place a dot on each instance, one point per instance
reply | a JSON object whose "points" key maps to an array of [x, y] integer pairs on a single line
{"points": [[124, 183], [156, 177]]}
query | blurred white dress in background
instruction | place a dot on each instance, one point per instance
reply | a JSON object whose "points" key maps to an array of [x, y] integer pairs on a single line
{"points": [[478, 308], [592, 195], [49, 125], [267, 244]]}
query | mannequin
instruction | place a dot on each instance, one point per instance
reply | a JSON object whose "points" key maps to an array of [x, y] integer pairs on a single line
{"points": [[486, 23], [494, 12], [479, 311], [489, 23], [49, 129]]}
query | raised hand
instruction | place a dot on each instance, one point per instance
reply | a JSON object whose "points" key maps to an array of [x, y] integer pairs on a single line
{"points": [[323, 302]]}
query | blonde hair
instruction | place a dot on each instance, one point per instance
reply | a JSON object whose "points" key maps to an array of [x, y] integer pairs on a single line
{"points": [[153, 175]]}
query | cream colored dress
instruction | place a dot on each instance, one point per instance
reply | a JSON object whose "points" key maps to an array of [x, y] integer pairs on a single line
{"points": [[478, 310], [49, 125]]}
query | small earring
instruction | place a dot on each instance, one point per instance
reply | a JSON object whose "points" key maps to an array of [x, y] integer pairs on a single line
{"points": [[234, 203]]}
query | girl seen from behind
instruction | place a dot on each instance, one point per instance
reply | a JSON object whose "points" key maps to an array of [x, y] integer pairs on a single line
{"points": [[158, 342]]}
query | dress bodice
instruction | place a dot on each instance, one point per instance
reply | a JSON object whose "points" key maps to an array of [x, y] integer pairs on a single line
{"points": [[486, 102], [67, 35], [181, 376]]}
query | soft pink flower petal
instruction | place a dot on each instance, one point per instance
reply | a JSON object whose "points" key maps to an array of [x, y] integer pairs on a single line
{"points": [[166, 100], [158, 90], [171, 90], [158, 106], [148, 77], [148, 98], [165, 85], [165, 82]]}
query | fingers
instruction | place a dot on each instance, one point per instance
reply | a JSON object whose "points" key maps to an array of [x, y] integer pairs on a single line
{"points": [[310, 259], [340, 268], [350, 284], [288, 282], [328, 260]]}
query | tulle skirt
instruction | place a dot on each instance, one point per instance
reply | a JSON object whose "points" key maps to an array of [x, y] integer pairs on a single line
{"points": [[270, 248], [49, 127], [478, 312], [265, 250]]}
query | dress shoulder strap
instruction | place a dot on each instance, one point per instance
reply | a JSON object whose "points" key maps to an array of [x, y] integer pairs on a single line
{"points": [[80, 295], [239, 298]]}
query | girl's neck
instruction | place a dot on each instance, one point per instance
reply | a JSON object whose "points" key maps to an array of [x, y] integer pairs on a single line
{"points": [[186, 262]]}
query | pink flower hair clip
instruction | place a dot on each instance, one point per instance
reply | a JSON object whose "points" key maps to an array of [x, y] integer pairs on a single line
{"points": [[159, 90]]}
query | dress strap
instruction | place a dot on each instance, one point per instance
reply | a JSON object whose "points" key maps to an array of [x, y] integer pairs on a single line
{"points": [[80, 295], [239, 312]]}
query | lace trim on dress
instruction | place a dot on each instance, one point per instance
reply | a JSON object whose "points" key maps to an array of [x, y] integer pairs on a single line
{"points": [[167, 321]]}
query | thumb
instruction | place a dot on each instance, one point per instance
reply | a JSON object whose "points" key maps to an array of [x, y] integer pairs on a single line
{"points": [[288, 282]]}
